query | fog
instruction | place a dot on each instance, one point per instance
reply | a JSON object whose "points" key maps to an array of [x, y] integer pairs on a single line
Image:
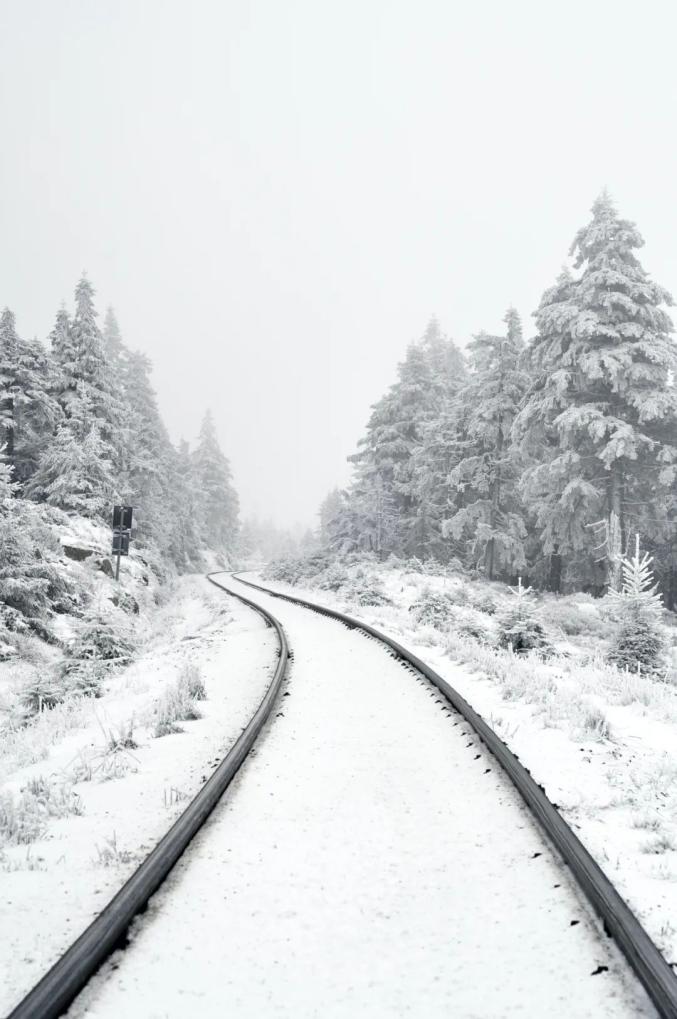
{"points": [[276, 196]]}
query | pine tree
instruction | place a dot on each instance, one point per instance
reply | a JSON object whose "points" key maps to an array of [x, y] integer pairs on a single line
{"points": [[599, 421], [388, 487], [116, 351], [86, 372], [60, 337], [218, 507], [75, 472], [520, 627], [27, 410], [148, 456], [639, 642], [491, 515]]}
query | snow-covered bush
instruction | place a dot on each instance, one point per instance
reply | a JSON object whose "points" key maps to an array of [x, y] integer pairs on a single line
{"points": [[100, 645], [333, 578], [639, 643], [194, 683], [574, 615], [520, 627], [43, 691], [433, 608], [468, 622], [24, 819], [367, 591], [177, 704], [285, 571]]}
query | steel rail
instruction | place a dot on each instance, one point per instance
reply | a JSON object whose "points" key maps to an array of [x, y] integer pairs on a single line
{"points": [[68, 976], [618, 920]]}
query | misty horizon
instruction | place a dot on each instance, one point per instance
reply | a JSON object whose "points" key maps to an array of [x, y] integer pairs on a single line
{"points": [[276, 200]]}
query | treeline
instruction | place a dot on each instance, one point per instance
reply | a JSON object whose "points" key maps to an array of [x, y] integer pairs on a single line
{"points": [[81, 431], [540, 459]]}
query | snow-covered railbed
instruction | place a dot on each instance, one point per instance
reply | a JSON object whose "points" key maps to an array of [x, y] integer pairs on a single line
{"points": [[127, 795], [370, 860]]}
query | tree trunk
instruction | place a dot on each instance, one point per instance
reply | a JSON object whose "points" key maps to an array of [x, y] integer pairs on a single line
{"points": [[615, 535], [555, 576]]}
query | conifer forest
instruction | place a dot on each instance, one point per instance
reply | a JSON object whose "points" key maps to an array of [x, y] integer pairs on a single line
{"points": [[541, 452]]}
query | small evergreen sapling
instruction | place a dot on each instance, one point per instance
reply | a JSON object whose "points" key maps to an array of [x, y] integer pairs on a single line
{"points": [[520, 627], [639, 642]]}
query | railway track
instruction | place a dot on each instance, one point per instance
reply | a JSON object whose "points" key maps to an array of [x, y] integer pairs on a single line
{"points": [[619, 921], [53, 994]]}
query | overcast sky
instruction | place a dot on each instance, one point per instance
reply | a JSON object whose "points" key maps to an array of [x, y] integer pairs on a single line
{"points": [[276, 195]]}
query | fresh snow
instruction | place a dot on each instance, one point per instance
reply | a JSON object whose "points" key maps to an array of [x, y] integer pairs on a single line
{"points": [[53, 889], [617, 793], [370, 859]]}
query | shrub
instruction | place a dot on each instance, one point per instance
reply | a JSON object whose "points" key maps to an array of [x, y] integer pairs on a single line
{"points": [[333, 578], [99, 647], [366, 592], [520, 628], [41, 692], [433, 608], [194, 682], [572, 617], [24, 819], [176, 704]]}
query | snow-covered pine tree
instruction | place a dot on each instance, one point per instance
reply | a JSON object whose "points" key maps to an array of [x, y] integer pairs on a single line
{"points": [[60, 337], [331, 509], [95, 425], [520, 627], [600, 420], [148, 455], [86, 373], [387, 483], [75, 471], [116, 351], [490, 515], [437, 452], [27, 408], [639, 642], [218, 505], [182, 518]]}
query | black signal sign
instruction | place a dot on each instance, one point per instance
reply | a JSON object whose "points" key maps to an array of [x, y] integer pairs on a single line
{"points": [[121, 543], [122, 517]]}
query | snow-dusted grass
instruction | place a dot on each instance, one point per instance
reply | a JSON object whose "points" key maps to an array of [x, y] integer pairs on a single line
{"points": [[602, 741], [85, 789], [178, 703]]}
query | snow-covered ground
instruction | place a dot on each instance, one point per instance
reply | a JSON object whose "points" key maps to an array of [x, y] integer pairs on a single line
{"points": [[603, 744], [120, 798], [371, 860]]}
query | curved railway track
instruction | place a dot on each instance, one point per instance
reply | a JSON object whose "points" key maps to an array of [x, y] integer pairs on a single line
{"points": [[53, 994], [619, 921]]}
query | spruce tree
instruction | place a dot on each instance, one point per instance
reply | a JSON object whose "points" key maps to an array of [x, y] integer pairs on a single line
{"points": [[600, 417], [27, 410], [218, 502], [115, 349], [490, 515], [75, 472]]}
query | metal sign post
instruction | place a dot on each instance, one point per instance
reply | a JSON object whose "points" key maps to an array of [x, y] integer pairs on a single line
{"points": [[122, 528]]}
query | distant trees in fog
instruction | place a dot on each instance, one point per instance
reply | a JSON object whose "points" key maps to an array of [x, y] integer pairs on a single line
{"points": [[81, 430]]}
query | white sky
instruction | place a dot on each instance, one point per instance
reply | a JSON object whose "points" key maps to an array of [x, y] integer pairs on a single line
{"points": [[276, 195]]}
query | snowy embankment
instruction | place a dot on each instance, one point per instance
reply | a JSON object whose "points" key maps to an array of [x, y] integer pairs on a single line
{"points": [[90, 786], [602, 743], [368, 860]]}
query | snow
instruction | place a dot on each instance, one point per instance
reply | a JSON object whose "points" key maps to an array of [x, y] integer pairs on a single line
{"points": [[370, 859], [617, 793], [52, 890]]}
